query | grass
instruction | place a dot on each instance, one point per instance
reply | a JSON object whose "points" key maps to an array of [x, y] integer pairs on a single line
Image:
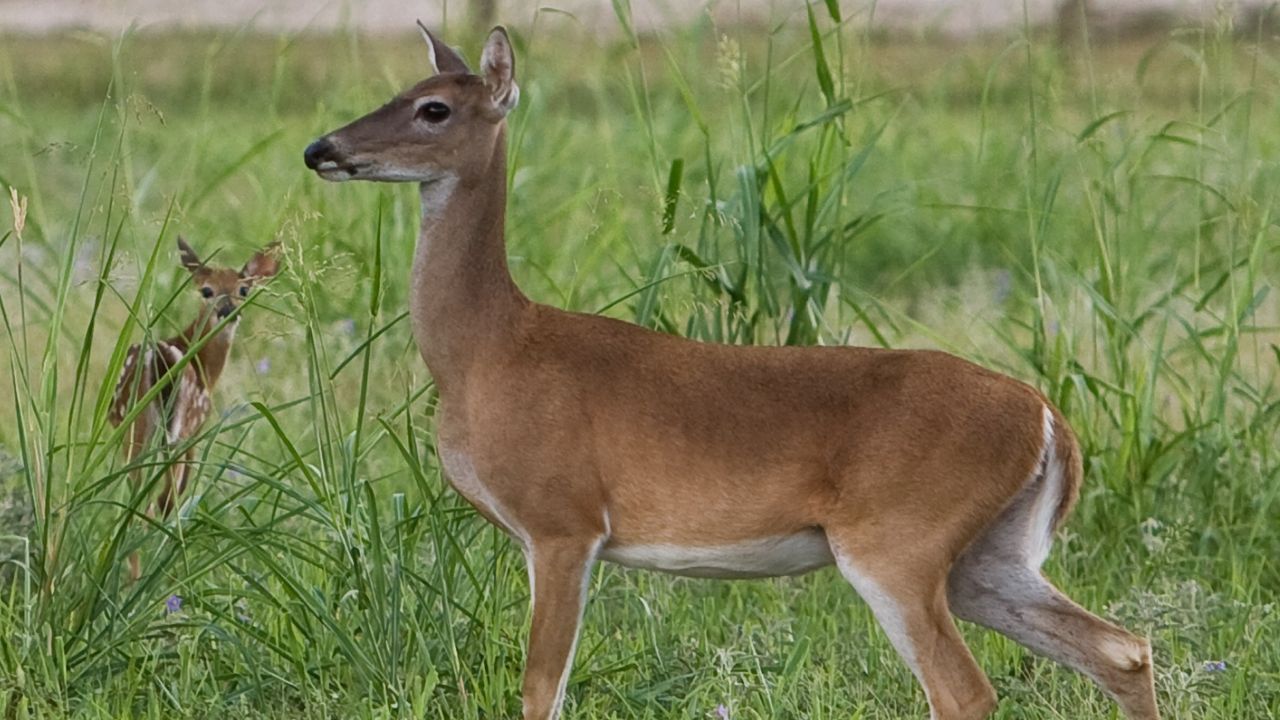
{"points": [[1101, 225]]}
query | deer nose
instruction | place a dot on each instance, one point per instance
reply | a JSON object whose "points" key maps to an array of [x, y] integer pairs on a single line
{"points": [[317, 152]]}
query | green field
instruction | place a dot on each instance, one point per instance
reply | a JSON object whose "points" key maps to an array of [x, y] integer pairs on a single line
{"points": [[1101, 224]]}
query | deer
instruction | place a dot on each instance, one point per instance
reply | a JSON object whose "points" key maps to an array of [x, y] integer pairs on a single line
{"points": [[177, 412], [935, 486]]}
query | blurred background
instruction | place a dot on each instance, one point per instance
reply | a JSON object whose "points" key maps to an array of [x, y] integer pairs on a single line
{"points": [[1082, 194], [947, 17]]}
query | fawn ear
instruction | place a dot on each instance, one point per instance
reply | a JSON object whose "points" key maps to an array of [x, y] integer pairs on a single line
{"points": [[190, 260], [263, 265], [498, 66], [444, 59]]}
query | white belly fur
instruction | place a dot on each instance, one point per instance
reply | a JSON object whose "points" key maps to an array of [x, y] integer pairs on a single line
{"points": [[763, 557]]}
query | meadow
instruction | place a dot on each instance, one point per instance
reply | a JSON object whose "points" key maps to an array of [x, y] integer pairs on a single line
{"points": [[1099, 222]]}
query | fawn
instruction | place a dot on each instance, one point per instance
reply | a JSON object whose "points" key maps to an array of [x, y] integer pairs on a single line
{"points": [[182, 405], [935, 486]]}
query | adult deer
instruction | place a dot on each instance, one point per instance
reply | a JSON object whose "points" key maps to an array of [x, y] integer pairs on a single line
{"points": [[934, 485], [182, 405]]}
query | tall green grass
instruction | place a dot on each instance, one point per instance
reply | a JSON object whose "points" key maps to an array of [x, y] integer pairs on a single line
{"points": [[1100, 225]]}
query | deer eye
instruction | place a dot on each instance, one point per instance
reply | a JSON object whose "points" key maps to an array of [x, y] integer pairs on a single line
{"points": [[244, 291], [206, 291], [434, 112]]}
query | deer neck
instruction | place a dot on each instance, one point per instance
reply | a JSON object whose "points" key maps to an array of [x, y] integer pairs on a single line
{"points": [[465, 306], [211, 358]]}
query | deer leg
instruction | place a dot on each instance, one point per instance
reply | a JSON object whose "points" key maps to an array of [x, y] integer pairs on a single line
{"points": [[1018, 601], [558, 575], [135, 566], [132, 447], [135, 559], [164, 502], [997, 583], [909, 602], [175, 483]]}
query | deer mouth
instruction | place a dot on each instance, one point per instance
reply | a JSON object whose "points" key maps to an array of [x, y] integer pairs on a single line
{"points": [[328, 161], [336, 172]]}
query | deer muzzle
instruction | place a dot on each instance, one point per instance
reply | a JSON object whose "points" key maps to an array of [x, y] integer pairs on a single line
{"points": [[328, 161], [318, 153]]}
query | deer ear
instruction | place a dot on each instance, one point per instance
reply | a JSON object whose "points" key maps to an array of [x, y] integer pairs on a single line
{"points": [[189, 259], [444, 59], [498, 66], [264, 264]]}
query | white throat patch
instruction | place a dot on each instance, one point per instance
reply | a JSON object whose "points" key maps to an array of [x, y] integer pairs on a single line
{"points": [[436, 194]]}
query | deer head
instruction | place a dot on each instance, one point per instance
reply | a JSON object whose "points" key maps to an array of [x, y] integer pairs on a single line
{"points": [[436, 129], [224, 288]]}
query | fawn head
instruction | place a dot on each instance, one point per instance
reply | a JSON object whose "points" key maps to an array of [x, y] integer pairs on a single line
{"points": [[224, 288], [435, 129]]}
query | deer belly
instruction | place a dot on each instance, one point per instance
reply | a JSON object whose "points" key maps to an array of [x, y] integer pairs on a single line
{"points": [[759, 557]]}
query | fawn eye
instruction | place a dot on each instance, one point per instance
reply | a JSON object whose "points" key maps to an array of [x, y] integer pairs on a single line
{"points": [[434, 112], [206, 291], [244, 291]]}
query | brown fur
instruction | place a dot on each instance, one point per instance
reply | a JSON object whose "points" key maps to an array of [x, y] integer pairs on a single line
{"points": [[178, 411], [582, 435]]}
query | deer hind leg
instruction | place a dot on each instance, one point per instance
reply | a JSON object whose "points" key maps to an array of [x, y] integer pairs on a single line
{"points": [[909, 602], [997, 583], [558, 575]]}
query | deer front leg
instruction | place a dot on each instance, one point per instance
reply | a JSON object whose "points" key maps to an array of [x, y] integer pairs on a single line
{"points": [[175, 483], [135, 566], [558, 574], [133, 446]]}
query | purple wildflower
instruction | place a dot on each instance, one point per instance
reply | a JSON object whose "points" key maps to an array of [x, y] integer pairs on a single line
{"points": [[264, 366], [1215, 666], [173, 604], [722, 712], [348, 326]]}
